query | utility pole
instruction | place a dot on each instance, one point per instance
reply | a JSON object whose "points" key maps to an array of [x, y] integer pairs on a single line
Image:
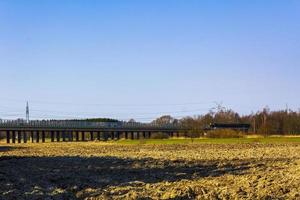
{"points": [[27, 113]]}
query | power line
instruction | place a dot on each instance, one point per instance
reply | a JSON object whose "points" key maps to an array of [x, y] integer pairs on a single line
{"points": [[113, 113], [134, 115], [79, 115], [76, 115], [112, 105]]}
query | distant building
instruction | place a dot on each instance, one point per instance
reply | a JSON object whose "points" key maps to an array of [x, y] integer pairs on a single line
{"points": [[233, 126]]}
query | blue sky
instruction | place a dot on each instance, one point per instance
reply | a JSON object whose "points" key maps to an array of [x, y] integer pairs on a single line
{"points": [[142, 59]]}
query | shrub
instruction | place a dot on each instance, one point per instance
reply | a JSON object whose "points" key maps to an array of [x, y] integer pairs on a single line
{"points": [[224, 133], [159, 136]]}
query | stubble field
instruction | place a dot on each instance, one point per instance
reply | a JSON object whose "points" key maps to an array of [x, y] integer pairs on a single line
{"points": [[98, 170]]}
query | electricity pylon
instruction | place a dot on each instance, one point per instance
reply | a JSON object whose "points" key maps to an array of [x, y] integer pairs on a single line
{"points": [[27, 113]]}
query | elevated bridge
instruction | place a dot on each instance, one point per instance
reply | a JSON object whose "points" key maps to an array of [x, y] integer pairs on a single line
{"points": [[61, 130]]}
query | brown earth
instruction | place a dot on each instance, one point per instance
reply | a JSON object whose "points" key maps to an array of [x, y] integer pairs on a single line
{"points": [[95, 170]]}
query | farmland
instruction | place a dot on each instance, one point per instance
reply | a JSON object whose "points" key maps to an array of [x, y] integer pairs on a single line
{"points": [[267, 168]]}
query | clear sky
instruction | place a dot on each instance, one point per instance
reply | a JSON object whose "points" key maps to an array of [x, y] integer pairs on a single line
{"points": [[141, 59]]}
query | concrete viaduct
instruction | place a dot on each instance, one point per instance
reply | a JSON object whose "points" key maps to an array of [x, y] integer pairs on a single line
{"points": [[20, 131]]}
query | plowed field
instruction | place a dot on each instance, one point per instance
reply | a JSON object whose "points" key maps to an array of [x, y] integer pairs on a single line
{"points": [[96, 170]]}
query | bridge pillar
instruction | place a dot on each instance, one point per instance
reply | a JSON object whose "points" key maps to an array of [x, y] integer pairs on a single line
{"points": [[52, 136], [63, 136], [98, 136], [82, 135], [32, 136], [150, 133], [43, 136], [77, 136], [66, 136], [118, 135], [177, 134], [138, 135], [132, 135], [7, 137], [92, 135], [37, 136], [57, 136], [112, 135], [13, 136], [66, 133], [144, 134], [129, 135], [25, 136], [19, 136], [105, 136], [70, 136], [126, 135]]}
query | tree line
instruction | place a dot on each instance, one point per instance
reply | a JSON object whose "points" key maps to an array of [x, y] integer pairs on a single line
{"points": [[264, 122]]}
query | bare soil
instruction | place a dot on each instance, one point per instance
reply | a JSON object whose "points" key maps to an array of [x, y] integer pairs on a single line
{"points": [[95, 170]]}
